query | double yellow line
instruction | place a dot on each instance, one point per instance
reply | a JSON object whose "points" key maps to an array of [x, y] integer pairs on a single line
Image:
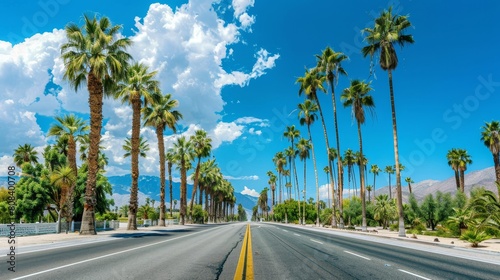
{"points": [[244, 270]]}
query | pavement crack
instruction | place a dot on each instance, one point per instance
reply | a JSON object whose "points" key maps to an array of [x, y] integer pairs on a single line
{"points": [[221, 266]]}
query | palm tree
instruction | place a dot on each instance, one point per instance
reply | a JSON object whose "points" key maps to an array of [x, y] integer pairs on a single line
{"points": [[280, 163], [25, 153], [94, 54], [64, 178], [183, 151], [357, 96], [202, 146], [409, 181], [326, 169], [291, 134], [369, 189], [330, 62], [161, 115], [349, 161], [464, 160], [490, 135], [383, 209], [303, 147], [389, 170], [307, 116], [263, 200], [375, 170], [72, 128], [170, 158], [272, 185], [310, 83], [389, 29], [453, 162], [143, 147], [137, 87]]}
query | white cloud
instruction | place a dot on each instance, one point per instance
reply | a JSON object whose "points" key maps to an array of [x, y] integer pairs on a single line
{"points": [[250, 192], [252, 177], [187, 46]]}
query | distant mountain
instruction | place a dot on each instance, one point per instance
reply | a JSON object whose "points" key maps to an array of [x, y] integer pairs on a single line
{"points": [[149, 186], [480, 178]]}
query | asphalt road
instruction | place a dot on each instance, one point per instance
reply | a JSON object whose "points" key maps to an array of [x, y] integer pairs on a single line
{"points": [[279, 252]]}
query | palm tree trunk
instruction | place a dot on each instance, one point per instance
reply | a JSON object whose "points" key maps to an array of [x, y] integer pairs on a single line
{"points": [[362, 180], [304, 206], [195, 185], [457, 178], [170, 186], [462, 181], [374, 176], [95, 89], [161, 152], [396, 159], [183, 192], [134, 155], [296, 185], [315, 175], [340, 179], [70, 197], [334, 221], [496, 161]]}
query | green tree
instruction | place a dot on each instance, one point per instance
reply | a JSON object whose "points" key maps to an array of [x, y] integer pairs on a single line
{"points": [[330, 63], [409, 181], [374, 169], [304, 147], [389, 170], [307, 116], [94, 54], [33, 193], [349, 161], [272, 185], [170, 158], [390, 29], [25, 154], [384, 209], [279, 160], [428, 210], [161, 115], [490, 135], [72, 128], [453, 162], [202, 147], [137, 88], [183, 154], [262, 202], [64, 179], [358, 98]]}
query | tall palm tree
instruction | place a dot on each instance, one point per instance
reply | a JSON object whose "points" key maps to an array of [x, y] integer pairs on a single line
{"points": [[490, 135], [310, 83], [374, 169], [202, 146], [330, 62], [64, 178], [25, 153], [72, 128], [465, 159], [161, 115], [389, 169], [369, 189], [94, 54], [304, 147], [453, 162], [390, 29], [291, 134], [272, 185], [143, 147], [307, 116], [184, 153], [137, 88], [280, 163], [349, 160], [170, 158], [409, 181], [358, 98]]}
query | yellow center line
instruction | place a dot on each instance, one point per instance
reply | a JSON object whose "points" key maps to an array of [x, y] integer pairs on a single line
{"points": [[244, 269]]}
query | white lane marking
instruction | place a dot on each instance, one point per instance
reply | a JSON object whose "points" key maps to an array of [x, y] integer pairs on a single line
{"points": [[416, 275], [109, 255], [63, 245], [316, 241], [285, 230], [296, 234], [357, 255]]}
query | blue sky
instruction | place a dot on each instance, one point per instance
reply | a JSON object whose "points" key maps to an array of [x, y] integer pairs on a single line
{"points": [[233, 65]]}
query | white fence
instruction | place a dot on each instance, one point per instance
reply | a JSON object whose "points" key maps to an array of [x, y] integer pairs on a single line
{"points": [[46, 228]]}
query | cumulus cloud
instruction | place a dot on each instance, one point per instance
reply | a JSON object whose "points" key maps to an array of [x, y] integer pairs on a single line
{"points": [[250, 192], [252, 177]]}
